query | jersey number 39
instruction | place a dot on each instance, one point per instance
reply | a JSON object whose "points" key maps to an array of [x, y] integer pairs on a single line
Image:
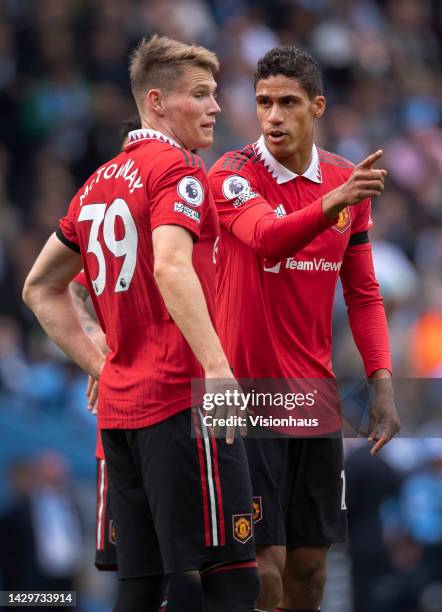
{"points": [[126, 247]]}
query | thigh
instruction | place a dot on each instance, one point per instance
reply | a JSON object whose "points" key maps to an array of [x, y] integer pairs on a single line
{"points": [[105, 550], [138, 552], [316, 514], [199, 492], [267, 459]]}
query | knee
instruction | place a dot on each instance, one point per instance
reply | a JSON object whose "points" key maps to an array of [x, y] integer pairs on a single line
{"points": [[314, 581], [271, 586], [310, 576]]}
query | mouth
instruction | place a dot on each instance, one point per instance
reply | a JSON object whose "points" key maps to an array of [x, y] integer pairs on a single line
{"points": [[276, 136], [208, 126]]}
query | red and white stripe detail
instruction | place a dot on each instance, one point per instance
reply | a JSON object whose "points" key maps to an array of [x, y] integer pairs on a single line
{"points": [[101, 502], [228, 567], [164, 605], [213, 511]]}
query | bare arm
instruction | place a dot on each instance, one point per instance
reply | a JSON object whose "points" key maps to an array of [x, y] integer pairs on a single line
{"points": [[79, 296], [183, 295], [181, 290], [47, 294]]}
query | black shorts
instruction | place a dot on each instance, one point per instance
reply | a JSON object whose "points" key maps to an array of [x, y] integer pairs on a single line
{"points": [[105, 550], [299, 491], [179, 502]]}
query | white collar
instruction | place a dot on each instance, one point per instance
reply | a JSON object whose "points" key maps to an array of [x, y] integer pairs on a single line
{"points": [[283, 174], [144, 134]]}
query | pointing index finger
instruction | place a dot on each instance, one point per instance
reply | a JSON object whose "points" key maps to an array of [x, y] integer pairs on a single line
{"points": [[371, 159]]}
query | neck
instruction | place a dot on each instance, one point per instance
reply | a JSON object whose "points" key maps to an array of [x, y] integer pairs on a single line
{"points": [[299, 161], [159, 126]]}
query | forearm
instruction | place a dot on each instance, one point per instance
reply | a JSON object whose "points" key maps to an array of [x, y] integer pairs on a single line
{"points": [[366, 311], [56, 314], [275, 238], [184, 298], [79, 297], [370, 332]]}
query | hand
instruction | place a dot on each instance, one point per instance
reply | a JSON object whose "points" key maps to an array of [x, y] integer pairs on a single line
{"points": [[384, 420], [223, 384], [364, 182], [92, 394], [92, 387]]}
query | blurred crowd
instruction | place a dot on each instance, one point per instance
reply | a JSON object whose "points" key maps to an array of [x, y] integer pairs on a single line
{"points": [[64, 93]]}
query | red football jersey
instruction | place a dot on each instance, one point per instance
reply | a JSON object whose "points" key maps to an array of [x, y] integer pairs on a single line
{"points": [[153, 182], [274, 314]]}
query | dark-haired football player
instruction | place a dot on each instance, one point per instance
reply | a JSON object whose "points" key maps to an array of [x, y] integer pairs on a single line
{"points": [[293, 219]]}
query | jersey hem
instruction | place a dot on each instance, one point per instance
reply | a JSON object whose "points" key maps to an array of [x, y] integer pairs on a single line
{"points": [[141, 422], [173, 221], [71, 245]]}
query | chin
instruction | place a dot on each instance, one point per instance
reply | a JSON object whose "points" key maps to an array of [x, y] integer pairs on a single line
{"points": [[204, 143], [281, 150]]}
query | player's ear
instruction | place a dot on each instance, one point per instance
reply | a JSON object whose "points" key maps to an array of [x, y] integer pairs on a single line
{"points": [[318, 106], [155, 101]]}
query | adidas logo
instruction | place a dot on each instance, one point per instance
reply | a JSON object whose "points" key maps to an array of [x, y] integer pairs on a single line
{"points": [[280, 211]]}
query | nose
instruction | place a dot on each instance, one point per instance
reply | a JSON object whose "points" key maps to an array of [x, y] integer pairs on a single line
{"points": [[214, 108], [275, 116]]}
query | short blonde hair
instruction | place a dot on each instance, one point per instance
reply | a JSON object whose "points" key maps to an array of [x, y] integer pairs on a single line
{"points": [[159, 61]]}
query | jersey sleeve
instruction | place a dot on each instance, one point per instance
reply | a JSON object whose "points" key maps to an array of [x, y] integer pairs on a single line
{"points": [[234, 193], [67, 231], [365, 308], [250, 217], [179, 193], [363, 221]]}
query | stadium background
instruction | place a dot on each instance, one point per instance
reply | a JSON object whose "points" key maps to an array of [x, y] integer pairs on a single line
{"points": [[63, 95]]}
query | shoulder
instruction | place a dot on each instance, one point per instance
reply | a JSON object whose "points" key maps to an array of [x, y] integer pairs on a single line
{"points": [[175, 160], [333, 159], [332, 163], [236, 162]]}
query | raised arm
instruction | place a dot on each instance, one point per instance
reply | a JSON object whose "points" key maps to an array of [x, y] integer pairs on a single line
{"points": [[251, 218]]}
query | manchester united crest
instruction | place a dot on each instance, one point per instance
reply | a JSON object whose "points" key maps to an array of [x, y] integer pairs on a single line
{"points": [[257, 509], [344, 221], [242, 527]]}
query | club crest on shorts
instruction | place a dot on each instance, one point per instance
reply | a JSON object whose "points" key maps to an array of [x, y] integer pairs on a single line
{"points": [[343, 222], [191, 190], [112, 533], [235, 185], [257, 509], [242, 527]]}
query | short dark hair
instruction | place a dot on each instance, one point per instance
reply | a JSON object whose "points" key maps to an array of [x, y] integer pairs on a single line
{"points": [[128, 125], [293, 63]]}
